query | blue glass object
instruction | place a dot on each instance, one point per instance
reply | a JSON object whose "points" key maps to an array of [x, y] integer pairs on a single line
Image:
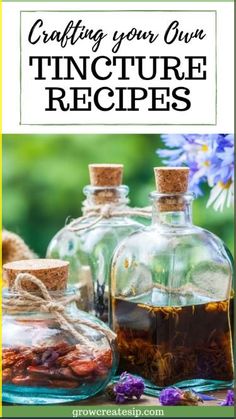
{"points": [[44, 364]]}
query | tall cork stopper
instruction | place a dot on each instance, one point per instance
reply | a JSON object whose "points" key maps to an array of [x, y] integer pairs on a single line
{"points": [[171, 180], [52, 272], [106, 176]]}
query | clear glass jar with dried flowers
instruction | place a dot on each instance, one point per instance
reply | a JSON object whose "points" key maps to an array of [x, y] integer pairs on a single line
{"points": [[171, 289], [52, 352]]}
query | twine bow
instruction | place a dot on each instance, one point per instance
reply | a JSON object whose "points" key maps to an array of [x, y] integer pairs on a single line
{"points": [[25, 300], [104, 212]]}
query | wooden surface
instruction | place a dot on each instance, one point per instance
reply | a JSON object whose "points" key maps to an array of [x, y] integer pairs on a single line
{"points": [[150, 401]]}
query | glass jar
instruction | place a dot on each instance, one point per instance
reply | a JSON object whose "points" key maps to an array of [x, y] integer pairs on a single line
{"points": [[171, 288], [88, 244], [51, 354]]}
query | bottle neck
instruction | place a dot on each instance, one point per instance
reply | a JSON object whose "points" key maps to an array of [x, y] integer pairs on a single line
{"points": [[172, 209], [99, 196]]}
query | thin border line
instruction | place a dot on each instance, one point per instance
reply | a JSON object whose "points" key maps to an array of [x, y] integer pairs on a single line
{"points": [[118, 124], [216, 74], [1, 176], [125, 125]]}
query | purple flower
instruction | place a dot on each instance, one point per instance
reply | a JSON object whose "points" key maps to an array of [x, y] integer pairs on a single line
{"points": [[210, 159], [229, 401], [170, 396], [173, 396], [223, 141], [128, 387]]}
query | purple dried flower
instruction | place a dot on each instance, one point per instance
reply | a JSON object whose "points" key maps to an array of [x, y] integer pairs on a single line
{"points": [[229, 400], [173, 396], [170, 396], [120, 398], [128, 387]]}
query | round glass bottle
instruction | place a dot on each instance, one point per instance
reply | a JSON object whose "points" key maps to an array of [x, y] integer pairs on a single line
{"points": [[88, 244], [171, 287], [52, 352]]}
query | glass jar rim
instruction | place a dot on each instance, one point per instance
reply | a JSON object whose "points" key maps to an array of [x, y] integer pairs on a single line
{"points": [[91, 188], [188, 196]]}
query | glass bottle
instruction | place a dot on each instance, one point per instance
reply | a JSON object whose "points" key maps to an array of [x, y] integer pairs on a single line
{"points": [[89, 250], [171, 287], [51, 351]]}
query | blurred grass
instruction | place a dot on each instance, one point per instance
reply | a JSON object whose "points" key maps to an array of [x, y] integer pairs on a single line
{"points": [[43, 178]]}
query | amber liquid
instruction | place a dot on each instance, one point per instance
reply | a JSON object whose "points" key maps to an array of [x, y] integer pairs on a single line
{"points": [[171, 344]]}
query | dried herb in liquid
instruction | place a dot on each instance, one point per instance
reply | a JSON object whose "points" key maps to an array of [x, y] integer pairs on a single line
{"points": [[171, 344]]}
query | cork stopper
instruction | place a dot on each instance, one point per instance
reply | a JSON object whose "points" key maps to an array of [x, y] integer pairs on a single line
{"points": [[106, 176], [171, 180], [52, 272]]}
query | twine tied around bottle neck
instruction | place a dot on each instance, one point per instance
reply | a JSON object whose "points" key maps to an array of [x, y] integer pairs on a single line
{"points": [[24, 300], [106, 211]]}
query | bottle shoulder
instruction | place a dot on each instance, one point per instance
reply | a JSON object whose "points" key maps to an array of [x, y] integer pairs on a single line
{"points": [[155, 231], [191, 261], [105, 229], [153, 239], [85, 226]]}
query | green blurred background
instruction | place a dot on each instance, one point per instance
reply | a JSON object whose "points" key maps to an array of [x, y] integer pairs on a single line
{"points": [[44, 175]]}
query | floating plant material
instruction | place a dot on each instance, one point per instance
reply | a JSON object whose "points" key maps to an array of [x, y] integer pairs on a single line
{"points": [[101, 301], [171, 344], [88, 242], [173, 396], [61, 365], [171, 290]]}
